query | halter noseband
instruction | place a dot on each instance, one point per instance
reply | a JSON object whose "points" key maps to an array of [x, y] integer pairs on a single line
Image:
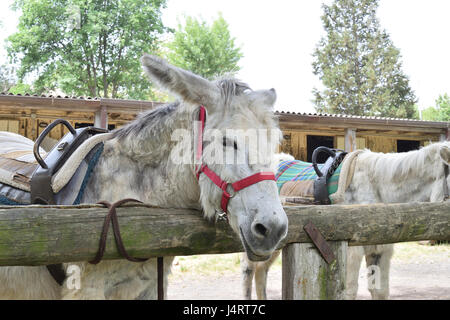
{"points": [[228, 189]]}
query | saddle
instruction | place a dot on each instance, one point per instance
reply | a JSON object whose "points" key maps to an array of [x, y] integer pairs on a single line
{"points": [[310, 183], [60, 178]]}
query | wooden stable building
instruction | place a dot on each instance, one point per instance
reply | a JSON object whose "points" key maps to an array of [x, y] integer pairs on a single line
{"points": [[303, 132]]}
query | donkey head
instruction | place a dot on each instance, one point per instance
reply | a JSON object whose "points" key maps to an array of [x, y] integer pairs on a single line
{"points": [[240, 139]]}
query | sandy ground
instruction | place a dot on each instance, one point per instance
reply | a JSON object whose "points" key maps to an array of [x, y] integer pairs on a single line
{"points": [[423, 278]]}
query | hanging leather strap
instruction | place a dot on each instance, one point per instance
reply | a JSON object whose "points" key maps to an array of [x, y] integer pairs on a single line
{"points": [[446, 173], [112, 217]]}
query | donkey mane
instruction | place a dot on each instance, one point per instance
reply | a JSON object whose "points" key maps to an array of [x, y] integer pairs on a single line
{"points": [[231, 87], [399, 166], [146, 121]]}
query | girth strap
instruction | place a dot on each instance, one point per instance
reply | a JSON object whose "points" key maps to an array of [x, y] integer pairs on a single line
{"points": [[446, 172]]}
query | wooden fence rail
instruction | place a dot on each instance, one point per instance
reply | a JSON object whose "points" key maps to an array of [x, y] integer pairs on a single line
{"points": [[40, 235]]}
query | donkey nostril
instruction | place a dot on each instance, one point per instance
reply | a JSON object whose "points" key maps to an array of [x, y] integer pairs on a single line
{"points": [[261, 229]]}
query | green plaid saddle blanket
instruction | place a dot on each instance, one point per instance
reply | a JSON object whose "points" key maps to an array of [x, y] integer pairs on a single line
{"points": [[303, 171]]}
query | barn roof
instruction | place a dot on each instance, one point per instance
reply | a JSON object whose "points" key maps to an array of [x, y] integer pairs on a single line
{"points": [[93, 104], [349, 120]]}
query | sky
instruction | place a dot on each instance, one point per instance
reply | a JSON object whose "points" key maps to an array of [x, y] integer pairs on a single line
{"points": [[279, 37]]}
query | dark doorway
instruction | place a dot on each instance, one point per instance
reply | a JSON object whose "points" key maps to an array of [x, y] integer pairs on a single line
{"points": [[407, 145], [314, 142]]}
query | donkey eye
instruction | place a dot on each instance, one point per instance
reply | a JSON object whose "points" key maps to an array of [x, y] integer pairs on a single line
{"points": [[227, 143]]}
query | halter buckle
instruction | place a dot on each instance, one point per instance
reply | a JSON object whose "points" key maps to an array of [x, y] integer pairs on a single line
{"points": [[221, 216]]}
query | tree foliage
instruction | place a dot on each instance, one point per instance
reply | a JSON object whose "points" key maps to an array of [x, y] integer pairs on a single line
{"points": [[205, 50], [7, 80], [86, 47], [441, 111], [358, 64]]}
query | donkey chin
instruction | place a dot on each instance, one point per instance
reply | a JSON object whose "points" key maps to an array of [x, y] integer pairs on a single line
{"points": [[261, 234]]}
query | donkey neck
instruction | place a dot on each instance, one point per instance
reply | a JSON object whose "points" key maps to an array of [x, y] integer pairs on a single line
{"points": [[394, 178], [137, 162]]}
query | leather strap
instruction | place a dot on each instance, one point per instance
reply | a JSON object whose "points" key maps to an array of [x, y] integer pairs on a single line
{"points": [[202, 119], [160, 268], [446, 172], [112, 216], [236, 186]]}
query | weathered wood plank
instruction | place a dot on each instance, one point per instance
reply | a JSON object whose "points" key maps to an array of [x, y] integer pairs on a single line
{"points": [[37, 235]]}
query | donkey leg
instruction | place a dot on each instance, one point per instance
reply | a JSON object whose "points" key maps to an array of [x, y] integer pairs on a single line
{"points": [[354, 258], [262, 268], [378, 261], [28, 283], [248, 271]]}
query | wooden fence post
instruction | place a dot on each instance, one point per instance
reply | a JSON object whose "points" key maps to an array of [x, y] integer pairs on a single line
{"points": [[350, 140], [445, 136], [101, 118], [307, 276]]}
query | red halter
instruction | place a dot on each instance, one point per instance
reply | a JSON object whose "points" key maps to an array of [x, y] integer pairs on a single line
{"points": [[236, 186]]}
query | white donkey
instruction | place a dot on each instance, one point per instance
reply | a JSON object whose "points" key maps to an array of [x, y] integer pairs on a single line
{"points": [[415, 176], [139, 161]]}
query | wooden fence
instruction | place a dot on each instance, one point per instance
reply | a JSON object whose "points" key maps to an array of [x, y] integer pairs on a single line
{"points": [[41, 235]]}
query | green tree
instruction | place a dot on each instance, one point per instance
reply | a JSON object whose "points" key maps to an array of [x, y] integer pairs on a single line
{"points": [[358, 64], [441, 112], [7, 80], [205, 50], [86, 47]]}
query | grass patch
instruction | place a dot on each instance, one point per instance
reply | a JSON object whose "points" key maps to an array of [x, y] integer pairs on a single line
{"points": [[211, 264], [206, 264], [407, 252], [414, 252]]}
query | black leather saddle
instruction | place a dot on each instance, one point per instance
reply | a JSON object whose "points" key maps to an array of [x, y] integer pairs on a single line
{"points": [[335, 158], [40, 183]]}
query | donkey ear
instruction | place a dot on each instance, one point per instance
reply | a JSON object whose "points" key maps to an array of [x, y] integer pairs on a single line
{"points": [[184, 84], [444, 152], [264, 98]]}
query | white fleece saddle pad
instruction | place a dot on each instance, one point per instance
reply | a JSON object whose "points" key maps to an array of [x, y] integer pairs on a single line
{"points": [[18, 164]]}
